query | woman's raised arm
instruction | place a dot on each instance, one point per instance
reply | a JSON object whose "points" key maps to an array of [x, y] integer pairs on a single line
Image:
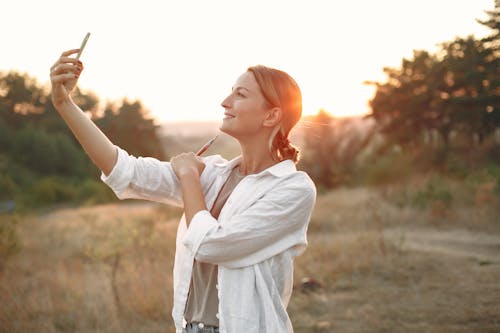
{"points": [[64, 76]]}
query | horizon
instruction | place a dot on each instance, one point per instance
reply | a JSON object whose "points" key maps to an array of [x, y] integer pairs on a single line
{"points": [[175, 59]]}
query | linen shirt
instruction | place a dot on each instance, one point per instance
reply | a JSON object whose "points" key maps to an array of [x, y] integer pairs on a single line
{"points": [[261, 228]]}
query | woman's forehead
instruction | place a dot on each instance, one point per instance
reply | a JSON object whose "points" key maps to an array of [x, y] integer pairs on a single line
{"points": [[247, 80]]}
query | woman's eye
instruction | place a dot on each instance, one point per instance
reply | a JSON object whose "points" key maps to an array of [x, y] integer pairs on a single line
{"points": [[239, 94]]}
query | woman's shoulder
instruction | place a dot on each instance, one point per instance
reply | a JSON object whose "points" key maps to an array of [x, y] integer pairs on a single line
{"points": [[300, 180]]}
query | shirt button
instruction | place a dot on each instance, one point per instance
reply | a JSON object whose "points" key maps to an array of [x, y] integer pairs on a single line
{"points": [[217, 286], [201, 325], [217, 315]]}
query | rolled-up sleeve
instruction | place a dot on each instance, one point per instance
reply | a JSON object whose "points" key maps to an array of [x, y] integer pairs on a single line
{"points": [[150, 179], [274, 223], [201, 224]]}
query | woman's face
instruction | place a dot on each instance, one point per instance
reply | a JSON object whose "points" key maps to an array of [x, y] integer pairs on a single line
{"points": [[245, 108]]}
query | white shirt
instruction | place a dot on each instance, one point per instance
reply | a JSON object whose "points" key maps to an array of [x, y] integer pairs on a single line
{"points": [[261, 228]]}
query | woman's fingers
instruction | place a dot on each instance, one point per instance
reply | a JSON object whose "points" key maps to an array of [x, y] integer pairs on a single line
{"points": [[66, 67], [64, 58], [64, 75], [62, 68], [69, 52], [65, 72], [70, 61], [61, 78], [185, 163]]}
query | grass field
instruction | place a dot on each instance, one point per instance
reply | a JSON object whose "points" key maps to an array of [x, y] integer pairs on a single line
{"points": [[381, 265]]}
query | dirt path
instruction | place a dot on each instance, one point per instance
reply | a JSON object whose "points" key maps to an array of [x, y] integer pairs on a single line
{"points": [[458, 242], [430, 279]]}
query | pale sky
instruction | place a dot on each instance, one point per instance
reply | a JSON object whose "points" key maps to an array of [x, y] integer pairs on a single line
{"points": [[181, 58]]}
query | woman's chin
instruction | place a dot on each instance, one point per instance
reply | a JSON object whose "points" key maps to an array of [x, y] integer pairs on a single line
{"points": [[225, 126], [222, 128]]}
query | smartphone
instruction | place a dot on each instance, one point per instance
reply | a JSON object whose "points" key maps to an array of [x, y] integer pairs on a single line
{"points": [[84, 42]]}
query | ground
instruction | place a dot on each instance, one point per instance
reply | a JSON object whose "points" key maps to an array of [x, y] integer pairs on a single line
{"points": [[378, 268]]}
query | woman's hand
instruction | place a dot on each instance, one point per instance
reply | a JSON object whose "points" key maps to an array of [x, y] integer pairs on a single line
{"points": [[64, 76], [188, 168], [187, 165]]}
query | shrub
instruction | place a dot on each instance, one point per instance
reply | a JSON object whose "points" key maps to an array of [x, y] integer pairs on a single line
{"points": [[93, 192], [50, 190], [9, 241], [7, 186], [389, 168], [435, 192]]}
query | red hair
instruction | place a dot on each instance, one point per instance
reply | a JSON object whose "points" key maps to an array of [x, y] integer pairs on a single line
{"points": [[280, 90]]}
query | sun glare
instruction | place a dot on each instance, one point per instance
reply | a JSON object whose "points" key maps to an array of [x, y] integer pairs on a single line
{"points": [[181, 63]]}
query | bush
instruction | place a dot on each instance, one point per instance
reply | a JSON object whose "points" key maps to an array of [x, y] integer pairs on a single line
{"points": [[47, 153], [493, 171], [435, 192], [389, 168], [93, 192], [8, 187], [9, 241], [50, 190]]}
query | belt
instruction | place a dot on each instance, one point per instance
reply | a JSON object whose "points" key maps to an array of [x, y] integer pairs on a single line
{"points": [[201, 328]]}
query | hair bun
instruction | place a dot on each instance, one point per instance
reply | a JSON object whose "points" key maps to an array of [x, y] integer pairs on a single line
{"points": [[283, 142], [290, 152]]}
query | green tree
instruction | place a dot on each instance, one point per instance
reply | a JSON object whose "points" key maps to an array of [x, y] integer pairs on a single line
{"points": [[41, 161], [20, 95], [454, 90], [128, 126], [403, 105], [469, 94]]}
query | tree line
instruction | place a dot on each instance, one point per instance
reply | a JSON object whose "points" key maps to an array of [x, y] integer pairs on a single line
{"points": [[454, 91], [41, 161], [430, 107]]}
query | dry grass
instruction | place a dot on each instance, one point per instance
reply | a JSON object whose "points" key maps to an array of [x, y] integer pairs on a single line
{"points": [[105, 269], [385, 268], [109, 268]]}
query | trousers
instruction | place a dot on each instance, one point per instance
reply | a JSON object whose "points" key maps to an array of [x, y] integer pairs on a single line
{"points": [[199, 328]]}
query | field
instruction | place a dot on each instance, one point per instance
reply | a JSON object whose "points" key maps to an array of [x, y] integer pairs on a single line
{"points": [[375, 263]]}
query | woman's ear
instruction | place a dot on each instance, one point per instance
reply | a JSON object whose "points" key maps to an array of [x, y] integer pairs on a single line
{"points": [[273, 117]]}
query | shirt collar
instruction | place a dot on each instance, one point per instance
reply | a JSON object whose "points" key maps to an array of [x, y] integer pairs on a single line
{"points": [[280, 169]]}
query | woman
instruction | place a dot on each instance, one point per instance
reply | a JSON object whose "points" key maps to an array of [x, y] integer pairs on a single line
{"points": [[245, 219]]}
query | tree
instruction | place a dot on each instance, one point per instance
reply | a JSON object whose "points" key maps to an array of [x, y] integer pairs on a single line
{"points": [[454, 90], [317, 159], [41, 161], [492, 43], [333, 146], [128, 126], [20, 95], [403, 105]]}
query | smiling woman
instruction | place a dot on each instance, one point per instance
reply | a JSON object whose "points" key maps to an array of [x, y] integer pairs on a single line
{"points": [[281, 94], [244, 221]]}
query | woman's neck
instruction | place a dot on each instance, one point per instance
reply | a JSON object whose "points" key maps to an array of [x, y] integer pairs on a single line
{"points": [[256, 157]]}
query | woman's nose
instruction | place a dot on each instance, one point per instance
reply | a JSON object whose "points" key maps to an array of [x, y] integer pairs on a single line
{"points": [[226, 103]]}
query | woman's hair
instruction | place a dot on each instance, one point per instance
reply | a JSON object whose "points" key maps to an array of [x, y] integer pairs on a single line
{"points": [[280, 90]]}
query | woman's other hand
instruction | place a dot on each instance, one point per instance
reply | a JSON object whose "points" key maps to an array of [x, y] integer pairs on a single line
{"points": [[64, 76], [187, 165]]}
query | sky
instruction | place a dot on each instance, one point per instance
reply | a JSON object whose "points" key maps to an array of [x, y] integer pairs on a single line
{"points": [[181, 58]]}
